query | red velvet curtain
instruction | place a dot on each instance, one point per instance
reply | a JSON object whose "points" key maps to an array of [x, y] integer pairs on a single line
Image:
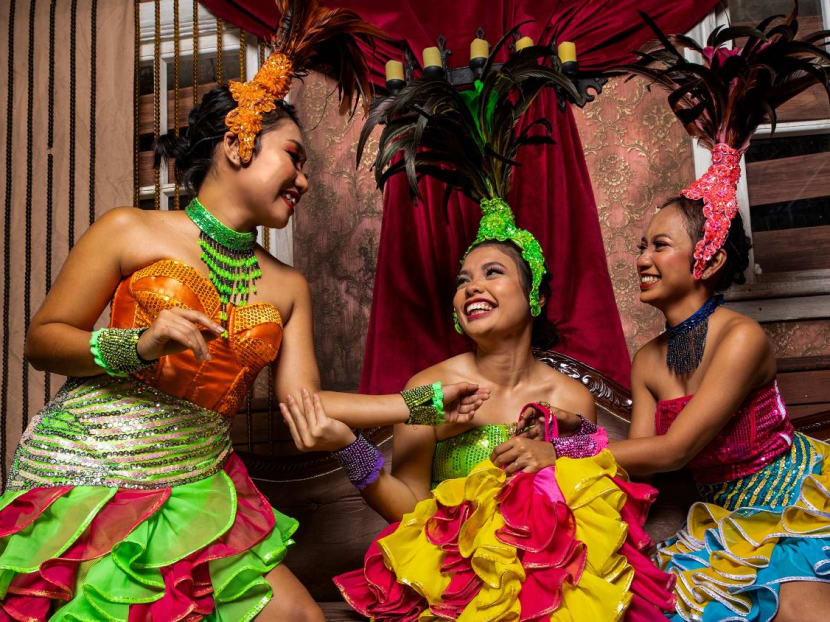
{"points": [[421, 244]]}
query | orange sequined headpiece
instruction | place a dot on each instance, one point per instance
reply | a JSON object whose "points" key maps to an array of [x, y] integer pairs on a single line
{"points": [[255, 98], [307, 36]]}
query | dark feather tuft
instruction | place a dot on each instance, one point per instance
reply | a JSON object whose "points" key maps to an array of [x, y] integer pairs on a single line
{"points": [[326, 40], [469, 142], [727, 96]]}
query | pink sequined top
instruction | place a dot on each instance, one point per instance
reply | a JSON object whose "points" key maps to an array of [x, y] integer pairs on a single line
{"points": [[758, 432]]}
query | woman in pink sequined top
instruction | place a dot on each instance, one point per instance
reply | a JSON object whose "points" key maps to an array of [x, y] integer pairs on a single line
{"points": [[757, 547]]}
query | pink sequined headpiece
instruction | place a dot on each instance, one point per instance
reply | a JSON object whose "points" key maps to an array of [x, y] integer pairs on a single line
{"points": [[718, 188]]}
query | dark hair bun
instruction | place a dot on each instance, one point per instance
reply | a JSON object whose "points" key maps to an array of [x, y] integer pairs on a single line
{"points": [[193, 149]]}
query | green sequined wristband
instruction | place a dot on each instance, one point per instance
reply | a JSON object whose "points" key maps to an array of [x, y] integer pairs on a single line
{"points": [[425, 403], [114, 350]]}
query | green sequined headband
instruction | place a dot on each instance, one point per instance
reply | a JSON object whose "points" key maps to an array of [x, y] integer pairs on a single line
{"points": [[499, 224]]}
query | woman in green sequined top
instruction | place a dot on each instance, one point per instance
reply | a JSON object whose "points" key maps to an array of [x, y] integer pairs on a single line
{"points": [[491, 301]]}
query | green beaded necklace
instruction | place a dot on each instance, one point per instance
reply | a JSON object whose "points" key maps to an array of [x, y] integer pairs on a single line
{"points": [[230, 259]]}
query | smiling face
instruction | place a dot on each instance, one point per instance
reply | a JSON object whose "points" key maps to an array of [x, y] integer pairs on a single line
{"points": [[271, 185], [491, 297], [665, 259]]}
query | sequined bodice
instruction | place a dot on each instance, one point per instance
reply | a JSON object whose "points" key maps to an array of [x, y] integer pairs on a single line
{"points": [[759, 432], [221, 383], [456, 456]]}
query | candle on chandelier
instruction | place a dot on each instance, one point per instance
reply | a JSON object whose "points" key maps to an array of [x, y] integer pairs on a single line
{"points": [[524, 42], [432, 57], [567, 52], [479, 48], [394, 70]]}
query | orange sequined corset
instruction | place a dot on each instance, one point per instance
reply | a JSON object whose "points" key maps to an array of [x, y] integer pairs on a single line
{"points": [[220, 384]]}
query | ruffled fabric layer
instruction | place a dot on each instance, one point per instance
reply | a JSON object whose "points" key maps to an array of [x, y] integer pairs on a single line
{"points": [[90, 553], [731, 564], [554, 545]]}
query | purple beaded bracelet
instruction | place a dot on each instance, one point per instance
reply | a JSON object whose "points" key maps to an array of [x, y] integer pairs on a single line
{"points": [[581, 445], [361, 460]]}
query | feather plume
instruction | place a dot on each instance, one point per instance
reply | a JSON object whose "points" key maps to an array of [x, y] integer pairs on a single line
{"points": [[326, 40], [467, 139], [727, 96]]}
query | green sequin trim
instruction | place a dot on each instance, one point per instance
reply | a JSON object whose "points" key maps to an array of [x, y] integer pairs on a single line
{"points": [[229, 256], [498, 223], [425, 403], [227, 237], [114, 350]]}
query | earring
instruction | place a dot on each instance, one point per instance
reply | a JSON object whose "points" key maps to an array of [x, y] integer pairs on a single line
{"points": [[456, 323]]}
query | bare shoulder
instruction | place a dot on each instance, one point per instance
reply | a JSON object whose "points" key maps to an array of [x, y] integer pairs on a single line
{"points": [[649, 354], [447, 371], [740, 331], [568, 393], [275, 270], [122, 220], [284, 286]]}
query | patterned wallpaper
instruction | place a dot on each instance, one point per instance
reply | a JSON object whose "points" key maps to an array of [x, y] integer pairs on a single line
{"points": [[637, 155], [336, 232]]}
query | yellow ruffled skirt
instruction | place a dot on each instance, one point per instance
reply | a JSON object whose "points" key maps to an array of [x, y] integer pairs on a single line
{"points": [[554, 545]]}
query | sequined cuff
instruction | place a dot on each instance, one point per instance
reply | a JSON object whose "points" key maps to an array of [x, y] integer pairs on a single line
{"points": [[425, 403], [115, 350], [361, 460], [588, 441], [586, 427]]}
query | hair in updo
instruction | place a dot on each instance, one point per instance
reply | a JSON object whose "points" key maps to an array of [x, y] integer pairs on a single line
{"points": [[193, 150], [736, 246], [544, 335]]}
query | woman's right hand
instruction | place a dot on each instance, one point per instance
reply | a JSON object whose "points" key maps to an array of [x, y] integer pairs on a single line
{"points": [[532, 422], [311, 428], [176, 330]]}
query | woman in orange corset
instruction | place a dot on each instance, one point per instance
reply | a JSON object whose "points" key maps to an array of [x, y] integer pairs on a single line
{"points": [[125, 499]]}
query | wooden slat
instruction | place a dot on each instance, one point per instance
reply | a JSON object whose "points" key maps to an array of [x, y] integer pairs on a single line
{"points": [[145, 168], [799, 413], [802, 363], [804, 248], [784, 309], [788, 179], [808, 106], [145, 107], [805, 387]]}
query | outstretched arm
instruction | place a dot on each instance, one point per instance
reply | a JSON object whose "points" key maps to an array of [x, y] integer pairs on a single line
{"points": [[740, 363], [392, 494], [297, 369]]}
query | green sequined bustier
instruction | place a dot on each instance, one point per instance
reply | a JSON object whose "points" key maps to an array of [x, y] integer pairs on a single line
{"points": [[456, 456]]}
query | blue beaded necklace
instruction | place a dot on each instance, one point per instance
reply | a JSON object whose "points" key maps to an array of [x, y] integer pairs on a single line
{"points": [[687, 339]]}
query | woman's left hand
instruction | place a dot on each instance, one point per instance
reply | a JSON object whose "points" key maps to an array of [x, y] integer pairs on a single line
{"points": [[523, 454], [462, 400]]}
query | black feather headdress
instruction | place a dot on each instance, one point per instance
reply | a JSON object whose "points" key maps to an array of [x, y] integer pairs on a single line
{"points": [[724, 98], [469, 139], [308, 37]]}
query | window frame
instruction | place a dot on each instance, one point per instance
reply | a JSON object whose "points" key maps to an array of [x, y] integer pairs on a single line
{"points": [[781, 296], [281, 241]]}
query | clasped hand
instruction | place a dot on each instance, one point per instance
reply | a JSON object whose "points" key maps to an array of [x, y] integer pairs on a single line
{"points": [[528, 451], [313, 430]]}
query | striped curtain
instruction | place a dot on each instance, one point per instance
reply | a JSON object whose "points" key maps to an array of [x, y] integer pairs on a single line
{"points": [[66, 117]]}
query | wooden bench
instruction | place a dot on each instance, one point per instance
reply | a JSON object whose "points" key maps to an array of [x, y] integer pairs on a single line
{"points": [[336, 526]]}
